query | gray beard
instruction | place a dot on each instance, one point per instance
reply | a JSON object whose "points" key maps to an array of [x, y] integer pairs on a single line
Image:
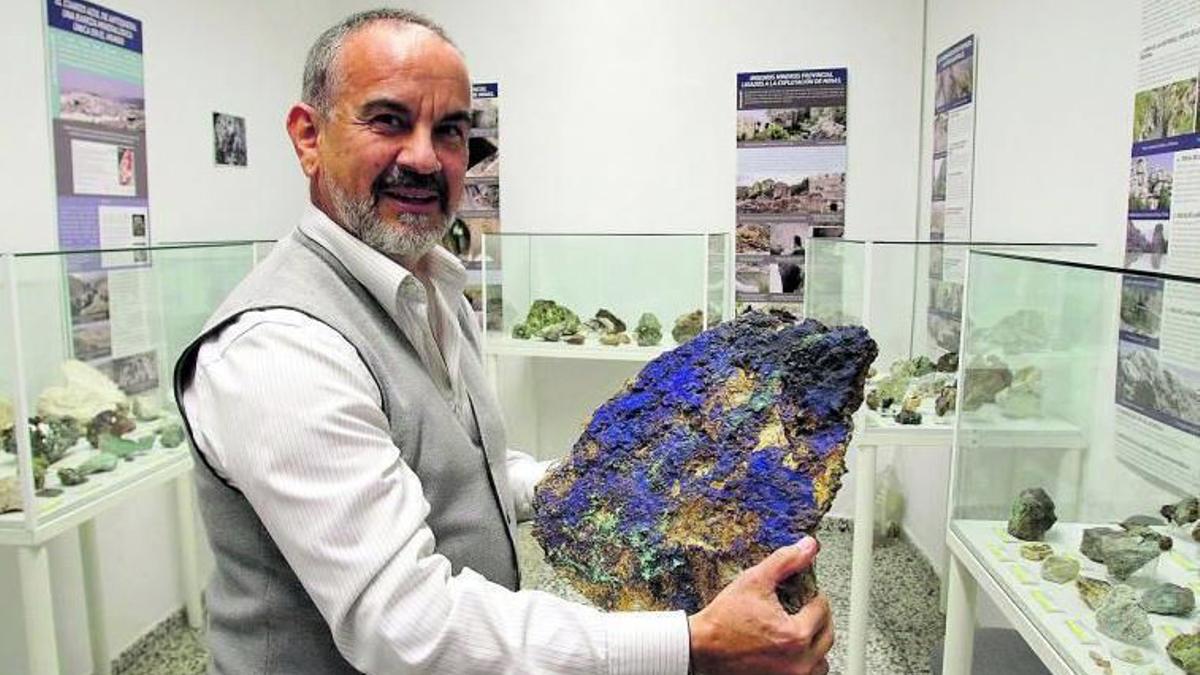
{"points": [[411, 237]]}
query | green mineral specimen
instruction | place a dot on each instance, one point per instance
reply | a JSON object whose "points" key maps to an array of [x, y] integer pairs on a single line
{"points": [[1121, 618], [52, 437], [71, 477], [1183, 511], [112, 422], [1060, 569], [649, 330], [1168, 599], [171, 435], [552, 333], [40, 464], [1036, 551], [1184, 651], [1126, 553], [1092, 591], [123, 448], [545, 314], [688, 326], [1031, 515], [101, 463]]}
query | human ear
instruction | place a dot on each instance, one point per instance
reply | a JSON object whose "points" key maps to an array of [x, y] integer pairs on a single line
{"points": [[303, 126]]}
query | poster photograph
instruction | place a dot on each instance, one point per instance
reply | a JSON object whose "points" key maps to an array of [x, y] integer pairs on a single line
{"points": [[229, 139]]}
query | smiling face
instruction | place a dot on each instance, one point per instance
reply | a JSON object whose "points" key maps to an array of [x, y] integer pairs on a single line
{"points": [[387, 160]]}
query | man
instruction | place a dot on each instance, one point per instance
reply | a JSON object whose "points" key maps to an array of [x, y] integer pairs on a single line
{"points": [[352, 471]]}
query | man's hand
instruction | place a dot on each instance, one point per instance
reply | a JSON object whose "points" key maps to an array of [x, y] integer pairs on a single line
{"points": [[745, 629]]}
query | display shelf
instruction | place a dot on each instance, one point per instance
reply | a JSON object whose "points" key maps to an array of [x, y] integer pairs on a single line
{"points": [[592, 351], [1054, 612]]}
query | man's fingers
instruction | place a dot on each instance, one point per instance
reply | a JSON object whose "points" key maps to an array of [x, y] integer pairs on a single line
{"points": [[813, 617], [786, 561]]}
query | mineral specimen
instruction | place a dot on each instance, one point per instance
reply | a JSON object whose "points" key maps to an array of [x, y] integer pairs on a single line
{"points": [[614, 339], [52, 438], [1121, 618], [1141, 520], [1093, 538], [947, 363], [547, 318], [8, 423], [1036, 551], [609, 322], [906, 416], [1060, 569], [720, 451], [109, 422], [1031, 515], [649, 330], [101, 463], [1126, 553], [124, 448], [874, 401], [912, 403], [171, 435], [70, 477], [10, 494], [87, 393], [1022, 398], [146, 408], [688, 326], [944, 404], [40, 464], [1184, 651], [1168, 599], [1183, 511], [1092, 591], [984, 378], [575, 339]]}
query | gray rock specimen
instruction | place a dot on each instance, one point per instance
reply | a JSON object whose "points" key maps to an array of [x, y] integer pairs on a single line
{"points": [[52, 437], [1182, 512], [1141, 521], [575, 339], [944, 404], [1036, 551], [1060, 569], [1092, 591], [609, 322], [1093, 537], [1184, 651], [171, 435], [688, 326], [1120, 617], [614, 339], [983, 379], [1126, 553], [649, 330], [1168, 599], [947, 363], [1031, 515]]}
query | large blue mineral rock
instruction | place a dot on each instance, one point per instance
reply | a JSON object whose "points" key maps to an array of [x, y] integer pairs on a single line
{"points": [[716, 454]]}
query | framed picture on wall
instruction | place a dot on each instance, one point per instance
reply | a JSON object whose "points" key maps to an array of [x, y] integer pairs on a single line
{"points": [[229, 139]]}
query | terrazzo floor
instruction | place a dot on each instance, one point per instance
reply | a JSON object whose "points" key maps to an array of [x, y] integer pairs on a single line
{"points": [[905, 620]]}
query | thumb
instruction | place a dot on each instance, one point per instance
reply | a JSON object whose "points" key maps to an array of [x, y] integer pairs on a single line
{"points": [[786, 561]]}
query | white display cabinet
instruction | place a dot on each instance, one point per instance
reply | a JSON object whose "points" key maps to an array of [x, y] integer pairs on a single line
{"points": [[1113, 354], [87, 415]]}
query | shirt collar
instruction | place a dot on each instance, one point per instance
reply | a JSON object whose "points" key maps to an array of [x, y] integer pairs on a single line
{"points": [[384, 277]]}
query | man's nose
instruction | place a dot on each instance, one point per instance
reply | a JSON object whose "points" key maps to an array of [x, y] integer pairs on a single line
{"points": [[419, 155]]}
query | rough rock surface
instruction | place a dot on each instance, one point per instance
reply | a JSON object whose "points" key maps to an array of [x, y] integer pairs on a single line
{"points": [[1091, 545], [171, 435], [1183, 511], [547, 318], [1121, 618], [688, 326], [1168, 599], [1032, 514], [649, 330], [1126, 553], [1036, 551], [716, 454], [1093, 591], [1184, 651]]}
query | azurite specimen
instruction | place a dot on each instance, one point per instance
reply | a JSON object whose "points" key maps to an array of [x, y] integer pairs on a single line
{"points": [[719, 452]]}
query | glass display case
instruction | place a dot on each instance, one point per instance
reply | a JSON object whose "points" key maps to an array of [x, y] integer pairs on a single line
{"points": [[89, 340], [909, 294], [1078, 516], [611, 296]]}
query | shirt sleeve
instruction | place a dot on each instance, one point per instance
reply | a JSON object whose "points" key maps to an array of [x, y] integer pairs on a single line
{"points": [[285, 409], [524, 473]]}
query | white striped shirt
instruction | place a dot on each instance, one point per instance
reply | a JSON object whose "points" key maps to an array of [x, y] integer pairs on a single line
{"points": [[282, 407]]}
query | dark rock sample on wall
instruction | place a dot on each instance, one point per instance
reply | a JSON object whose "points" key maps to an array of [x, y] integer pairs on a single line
{"points": [[1031, 515], [718, 452]]}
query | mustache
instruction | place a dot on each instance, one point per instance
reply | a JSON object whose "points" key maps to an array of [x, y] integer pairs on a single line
{"points": [[399, 177]]}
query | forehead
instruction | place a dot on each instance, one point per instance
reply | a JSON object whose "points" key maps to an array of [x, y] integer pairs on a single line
{"points": [[388, 60]]}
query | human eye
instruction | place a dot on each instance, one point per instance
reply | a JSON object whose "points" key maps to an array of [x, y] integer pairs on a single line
{"points": [[388, 122]]}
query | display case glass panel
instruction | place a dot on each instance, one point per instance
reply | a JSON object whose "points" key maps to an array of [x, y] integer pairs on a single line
{"points": [[618, 295], [909, 294], [90, 340], [1079, 437]]}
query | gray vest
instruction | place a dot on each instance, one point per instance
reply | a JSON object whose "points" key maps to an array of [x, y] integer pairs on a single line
{"points": [[260, 619]]}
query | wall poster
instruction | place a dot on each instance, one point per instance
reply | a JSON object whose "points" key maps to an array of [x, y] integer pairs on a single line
{"points": [[791, 179], [98, 122], [950, 200], [480, 210], [1158, 358]]}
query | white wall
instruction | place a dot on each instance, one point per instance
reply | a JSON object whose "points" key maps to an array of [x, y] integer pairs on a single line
{"points": [[1054, 114], [200, 57]]}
